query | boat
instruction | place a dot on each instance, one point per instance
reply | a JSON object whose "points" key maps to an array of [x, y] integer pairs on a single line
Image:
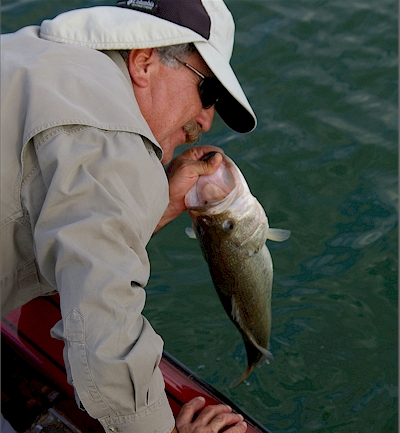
{"points": [[35, 391]]}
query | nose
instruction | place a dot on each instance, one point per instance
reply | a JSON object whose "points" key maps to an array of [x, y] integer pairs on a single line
{"points": [[205, 118]]}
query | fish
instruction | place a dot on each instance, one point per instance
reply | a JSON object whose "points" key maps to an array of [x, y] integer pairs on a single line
{"points": [[231, 228]]}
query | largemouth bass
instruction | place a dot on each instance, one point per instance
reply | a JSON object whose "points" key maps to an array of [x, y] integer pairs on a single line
{"points": [[232, 228]]}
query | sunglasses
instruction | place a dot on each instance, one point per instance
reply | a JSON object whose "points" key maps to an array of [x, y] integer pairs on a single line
{"points": [[209, 87]]}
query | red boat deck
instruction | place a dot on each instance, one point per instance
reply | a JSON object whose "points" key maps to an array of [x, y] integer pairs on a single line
{"points": [[26, 338]]}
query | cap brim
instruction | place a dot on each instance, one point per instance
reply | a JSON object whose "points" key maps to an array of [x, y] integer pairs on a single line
{"points": [[232, 106]]}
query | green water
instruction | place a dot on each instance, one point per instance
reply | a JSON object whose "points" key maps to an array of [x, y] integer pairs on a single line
{"points": [[322, 79]]}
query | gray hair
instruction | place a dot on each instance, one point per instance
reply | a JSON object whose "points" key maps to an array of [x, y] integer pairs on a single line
{"points": [[168, 54]]}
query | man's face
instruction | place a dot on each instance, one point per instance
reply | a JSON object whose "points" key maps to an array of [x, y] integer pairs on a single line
{"points": [[171, 100]]}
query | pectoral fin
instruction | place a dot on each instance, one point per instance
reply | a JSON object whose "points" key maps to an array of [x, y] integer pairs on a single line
{"points": [[278, 235]]}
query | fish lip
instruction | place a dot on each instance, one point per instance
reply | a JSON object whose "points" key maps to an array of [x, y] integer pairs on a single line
{"points": [[207, 207], [220, 205], [216, 207]]}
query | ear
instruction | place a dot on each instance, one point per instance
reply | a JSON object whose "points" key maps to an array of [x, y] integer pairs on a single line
{"points": [[139, 62]]}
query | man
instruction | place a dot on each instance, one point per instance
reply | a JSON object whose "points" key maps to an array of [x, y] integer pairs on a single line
{"points": [[92, 101]]}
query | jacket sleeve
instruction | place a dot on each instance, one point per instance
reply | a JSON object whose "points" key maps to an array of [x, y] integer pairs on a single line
{"points": [[106, 192]]}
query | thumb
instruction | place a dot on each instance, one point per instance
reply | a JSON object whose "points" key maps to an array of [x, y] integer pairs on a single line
{"points": [[211, 162]]}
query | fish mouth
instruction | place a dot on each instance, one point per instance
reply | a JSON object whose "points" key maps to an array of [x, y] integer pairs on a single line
{"points": [[211, 190]]}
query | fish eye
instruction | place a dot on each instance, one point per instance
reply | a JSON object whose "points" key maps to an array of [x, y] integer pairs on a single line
{"points": [[228, 225]]}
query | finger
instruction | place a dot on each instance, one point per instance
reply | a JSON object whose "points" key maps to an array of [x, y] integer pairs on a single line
{"points": [[212, 161], [190, 156], [208, 155], [188, 411], [224, 420], [215, 411], [238, 428], [191, 169], [197, 152]]}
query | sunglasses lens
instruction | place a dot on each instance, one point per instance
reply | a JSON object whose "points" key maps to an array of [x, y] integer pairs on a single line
{"points": [[210, 90]]}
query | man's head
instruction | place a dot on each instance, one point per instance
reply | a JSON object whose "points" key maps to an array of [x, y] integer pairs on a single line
{"points": [[209, 25], [141, 25], [175, 93]]}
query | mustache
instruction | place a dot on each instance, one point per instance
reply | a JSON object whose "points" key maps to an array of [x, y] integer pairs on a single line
{"points": [[193, 132]]}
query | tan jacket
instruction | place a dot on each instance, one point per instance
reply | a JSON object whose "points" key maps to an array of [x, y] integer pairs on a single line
{"points": [[82, 191]]}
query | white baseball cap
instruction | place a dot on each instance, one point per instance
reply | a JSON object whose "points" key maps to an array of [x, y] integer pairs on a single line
{"points": [[207, 24]]}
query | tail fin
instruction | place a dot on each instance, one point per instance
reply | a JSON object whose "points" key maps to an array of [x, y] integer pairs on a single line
{"points": [[243, 377], [266, 357]]}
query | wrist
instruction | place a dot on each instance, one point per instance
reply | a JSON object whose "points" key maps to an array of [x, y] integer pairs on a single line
{"points": [[170, 214]]}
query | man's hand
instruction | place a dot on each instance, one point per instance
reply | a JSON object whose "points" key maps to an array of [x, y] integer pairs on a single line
{"points": [[212, 419], [182, 173]]}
